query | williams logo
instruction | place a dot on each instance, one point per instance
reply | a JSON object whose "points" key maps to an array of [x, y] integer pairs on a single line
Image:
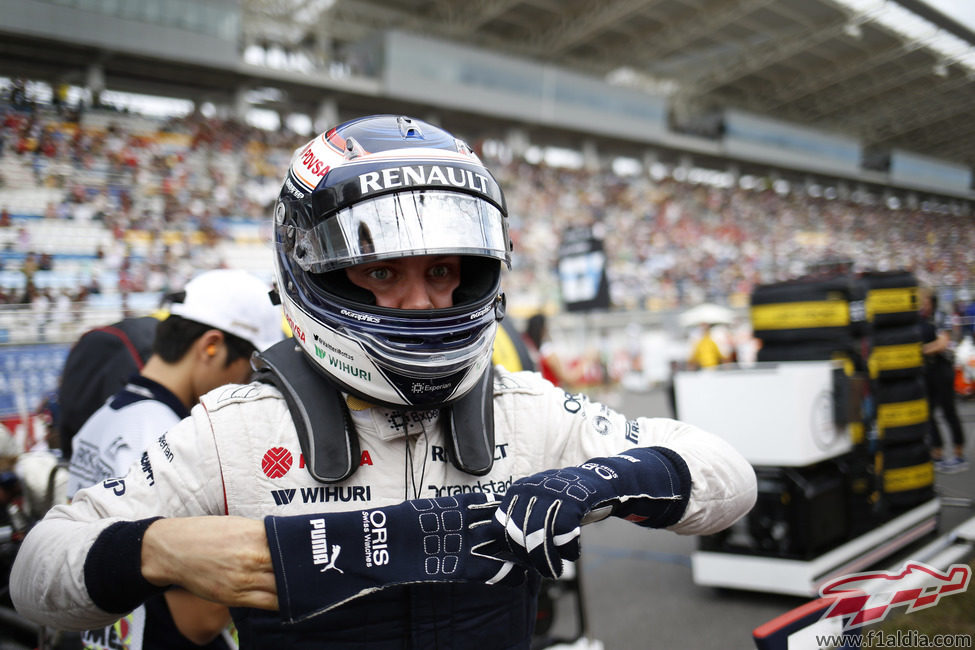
{"points": [[320, 353]]}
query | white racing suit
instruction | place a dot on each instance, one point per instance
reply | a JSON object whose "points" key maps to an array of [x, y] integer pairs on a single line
{"points": [[238, 454]]}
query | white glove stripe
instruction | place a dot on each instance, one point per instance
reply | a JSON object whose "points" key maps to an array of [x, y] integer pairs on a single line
{"points": [[524, 526], [510, 529], [554, 565], [565, 538], [502, 572], [534, 540]]}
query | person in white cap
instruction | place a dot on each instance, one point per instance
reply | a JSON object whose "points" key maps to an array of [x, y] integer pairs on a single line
{"points": [[214, 326]]}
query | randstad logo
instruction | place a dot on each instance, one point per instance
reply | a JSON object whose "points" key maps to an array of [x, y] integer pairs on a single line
{"points": [[869, 597]]}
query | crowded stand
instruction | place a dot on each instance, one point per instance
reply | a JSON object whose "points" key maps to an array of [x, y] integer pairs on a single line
{"points": [[105, 209]]}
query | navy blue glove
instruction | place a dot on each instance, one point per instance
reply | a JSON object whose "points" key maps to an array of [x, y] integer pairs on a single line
{"points": [[323, 560], [541, 514]]}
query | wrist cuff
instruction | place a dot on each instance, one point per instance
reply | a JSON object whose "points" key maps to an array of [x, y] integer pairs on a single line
{"points": [[113, 568], [683, 484], [659, 512]]}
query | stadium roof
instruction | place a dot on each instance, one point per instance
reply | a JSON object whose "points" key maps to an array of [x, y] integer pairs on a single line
{"points": [[839, 65], [834, 64]]}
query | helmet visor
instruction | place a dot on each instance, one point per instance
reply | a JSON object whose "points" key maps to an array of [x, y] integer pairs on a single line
{"points": [[421, 222]]}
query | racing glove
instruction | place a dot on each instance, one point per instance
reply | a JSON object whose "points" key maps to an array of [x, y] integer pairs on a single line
{"points": [[323, 560], [541, 514]]}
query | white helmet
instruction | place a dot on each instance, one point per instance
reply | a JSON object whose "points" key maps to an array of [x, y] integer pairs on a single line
{"points": [[384, 187]]}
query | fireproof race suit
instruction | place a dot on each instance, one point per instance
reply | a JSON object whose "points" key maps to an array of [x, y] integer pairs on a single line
{"points": [[109, 441], [238, 454], [115, 435]]}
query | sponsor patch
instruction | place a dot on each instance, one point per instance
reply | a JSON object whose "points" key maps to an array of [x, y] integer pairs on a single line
{"points": [[321, 554], [498, 487], [276, 462], [323, 494]]}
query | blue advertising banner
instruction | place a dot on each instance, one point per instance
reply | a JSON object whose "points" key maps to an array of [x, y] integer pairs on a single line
{"points": [[28, 373]]}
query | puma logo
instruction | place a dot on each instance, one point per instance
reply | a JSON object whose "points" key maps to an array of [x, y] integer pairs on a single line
{"points": [[336, 549]]}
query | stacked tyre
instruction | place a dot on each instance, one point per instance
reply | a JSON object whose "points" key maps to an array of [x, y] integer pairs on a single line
{"points": [[809, 310], [804, 511], [895, 352], [813, 319], [897, 378], [908, 476]]}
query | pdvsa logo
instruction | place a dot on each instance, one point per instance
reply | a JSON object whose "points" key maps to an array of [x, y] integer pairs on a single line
{"points": [[295, 329], [276, 462]]}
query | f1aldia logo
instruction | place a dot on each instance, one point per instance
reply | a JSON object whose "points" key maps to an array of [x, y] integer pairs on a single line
{"points": [[869, 597], [276, 462]]}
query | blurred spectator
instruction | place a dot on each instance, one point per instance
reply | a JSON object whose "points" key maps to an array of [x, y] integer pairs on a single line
{"points": [[18, 94], [968, 321], [706, 352], [29, 267], [540, 348], [40, 304], [939, 372]]}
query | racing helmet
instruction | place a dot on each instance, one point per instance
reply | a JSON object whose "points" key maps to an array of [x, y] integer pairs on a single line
{"points": [[384, 187]]}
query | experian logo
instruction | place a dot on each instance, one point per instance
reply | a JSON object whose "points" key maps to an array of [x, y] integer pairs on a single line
{"points": [[419, 387]]}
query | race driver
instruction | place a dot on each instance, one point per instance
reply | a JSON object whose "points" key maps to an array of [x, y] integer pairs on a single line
{"points": [[383, 486]]}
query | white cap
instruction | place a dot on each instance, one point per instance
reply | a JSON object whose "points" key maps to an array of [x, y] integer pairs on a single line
{"points": [[233, 301]]}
